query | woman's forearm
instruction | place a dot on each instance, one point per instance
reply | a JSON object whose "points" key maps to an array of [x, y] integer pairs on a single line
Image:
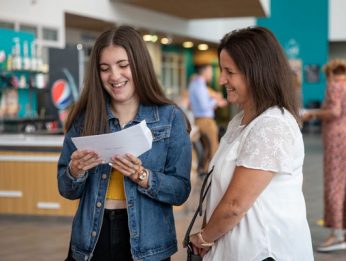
{"points": [[225, 217]]}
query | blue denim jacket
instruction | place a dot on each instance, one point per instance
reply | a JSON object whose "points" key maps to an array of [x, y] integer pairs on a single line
{"points": [[150, 213]]}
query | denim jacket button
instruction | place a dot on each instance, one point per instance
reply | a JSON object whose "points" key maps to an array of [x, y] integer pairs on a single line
{"points": [[98, 204], [93, 234], [104, 176]]}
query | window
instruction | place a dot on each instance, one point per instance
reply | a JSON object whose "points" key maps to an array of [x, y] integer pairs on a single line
{"points": [[5, 24], [173, 74], [29, 29], [50, 34]]}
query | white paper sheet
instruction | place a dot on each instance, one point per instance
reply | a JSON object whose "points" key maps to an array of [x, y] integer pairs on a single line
{"points": [[135, 140]]}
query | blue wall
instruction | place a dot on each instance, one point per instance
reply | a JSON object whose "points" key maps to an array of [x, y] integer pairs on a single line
{"points": [[306, 24]]}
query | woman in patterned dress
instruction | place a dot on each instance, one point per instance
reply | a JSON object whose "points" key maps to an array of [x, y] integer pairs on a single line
{"points": [[333, 116]]}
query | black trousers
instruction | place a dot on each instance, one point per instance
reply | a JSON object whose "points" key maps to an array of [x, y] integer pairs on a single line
{"points": [[114, 240]]}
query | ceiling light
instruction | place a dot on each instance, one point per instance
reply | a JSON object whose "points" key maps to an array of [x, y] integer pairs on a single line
{"points": [[165, 40], [147, 37], [154, 38], [188, 44], [202, 47]]}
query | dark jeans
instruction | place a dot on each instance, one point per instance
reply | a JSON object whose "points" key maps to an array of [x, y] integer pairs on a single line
{"points": [[114, 240]]}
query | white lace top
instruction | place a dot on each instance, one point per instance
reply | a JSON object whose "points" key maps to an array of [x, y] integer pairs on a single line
{"points": [[275, 226]]}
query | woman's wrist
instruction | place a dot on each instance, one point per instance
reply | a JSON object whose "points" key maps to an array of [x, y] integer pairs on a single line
{"points": [[142, 177], [204, 243], [76, 174]]}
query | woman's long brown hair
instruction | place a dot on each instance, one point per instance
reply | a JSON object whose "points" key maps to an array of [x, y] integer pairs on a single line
{"points": [[92, 102]]}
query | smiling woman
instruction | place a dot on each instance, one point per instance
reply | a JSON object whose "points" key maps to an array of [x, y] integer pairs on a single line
{"points": [[256, 197], [129, 194]]}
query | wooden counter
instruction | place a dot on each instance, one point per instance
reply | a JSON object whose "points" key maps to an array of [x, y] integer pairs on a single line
{"points": [[28, 176]]}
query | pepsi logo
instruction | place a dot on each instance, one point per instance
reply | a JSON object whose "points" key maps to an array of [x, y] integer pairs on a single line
{"points": [[61, 94]]}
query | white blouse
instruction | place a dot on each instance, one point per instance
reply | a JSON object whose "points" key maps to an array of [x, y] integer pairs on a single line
{"points": [[275, 226]]}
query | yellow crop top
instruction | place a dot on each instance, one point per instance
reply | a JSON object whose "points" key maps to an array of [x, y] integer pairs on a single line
{"points": [[116, 186]]}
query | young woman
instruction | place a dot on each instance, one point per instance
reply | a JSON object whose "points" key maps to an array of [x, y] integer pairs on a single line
{"points": [[125, 208]]}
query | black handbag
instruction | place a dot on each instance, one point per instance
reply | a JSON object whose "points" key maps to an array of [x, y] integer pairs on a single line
{"points": [[191, 256]]}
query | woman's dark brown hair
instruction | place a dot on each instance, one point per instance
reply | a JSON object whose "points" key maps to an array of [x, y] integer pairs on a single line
{"points": [[92, 102], [259, 56]]}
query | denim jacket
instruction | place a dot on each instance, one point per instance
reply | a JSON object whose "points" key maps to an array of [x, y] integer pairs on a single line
{"points": [[150, 211]]}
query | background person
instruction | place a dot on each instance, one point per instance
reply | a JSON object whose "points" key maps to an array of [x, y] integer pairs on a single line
{"points": [[203, 103], [125, 211], [255, 207], [333, 116]]}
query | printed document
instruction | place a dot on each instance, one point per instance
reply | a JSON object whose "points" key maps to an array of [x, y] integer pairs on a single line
{"points": [[136, 140]]}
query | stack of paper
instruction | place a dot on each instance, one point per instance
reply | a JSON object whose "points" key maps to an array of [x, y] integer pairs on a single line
{"points": [[135, 140]]}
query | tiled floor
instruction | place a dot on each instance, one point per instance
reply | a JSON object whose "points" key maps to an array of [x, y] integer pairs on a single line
{"points": [[24, 238]]}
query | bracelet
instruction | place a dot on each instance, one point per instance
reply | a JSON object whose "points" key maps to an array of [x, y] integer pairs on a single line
{"points": [[204, 243]]}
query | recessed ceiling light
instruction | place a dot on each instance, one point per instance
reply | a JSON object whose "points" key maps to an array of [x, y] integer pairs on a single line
{"points": [[188, 44], [165, 40], [154, 38], [147, 37], [202, 47]]}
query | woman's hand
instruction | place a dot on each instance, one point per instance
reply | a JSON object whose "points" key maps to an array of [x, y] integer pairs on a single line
{"points": [[129, 166], [83, 160], [197, 248]]}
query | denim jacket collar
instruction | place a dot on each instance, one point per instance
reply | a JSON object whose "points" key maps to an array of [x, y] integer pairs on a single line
{"points": [[150, 113]]}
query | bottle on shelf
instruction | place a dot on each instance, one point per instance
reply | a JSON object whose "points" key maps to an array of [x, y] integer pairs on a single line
{"points": [[22, 82], [26, 58], [39, 62], [17, 59], [9, 61], [2, 60], [33, 56]]}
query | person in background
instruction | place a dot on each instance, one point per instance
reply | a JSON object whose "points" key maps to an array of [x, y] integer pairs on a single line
{"points": [[125, 208], [203, 103], [255, 206], [333, 117]]}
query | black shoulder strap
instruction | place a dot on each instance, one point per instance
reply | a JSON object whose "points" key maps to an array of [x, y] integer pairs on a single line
{"points": [[199, 210]]}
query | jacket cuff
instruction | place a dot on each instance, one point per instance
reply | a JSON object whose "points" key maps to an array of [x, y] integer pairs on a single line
{"points": [[76, 180]]}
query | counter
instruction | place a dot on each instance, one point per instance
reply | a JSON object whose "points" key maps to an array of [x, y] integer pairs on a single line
{"points": [[28, 170]]}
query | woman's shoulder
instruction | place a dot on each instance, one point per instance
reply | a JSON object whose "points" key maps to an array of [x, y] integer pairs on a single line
{"points": [[278, 114], [169, 109], [165, 114], [274, 111], [276, 118]]}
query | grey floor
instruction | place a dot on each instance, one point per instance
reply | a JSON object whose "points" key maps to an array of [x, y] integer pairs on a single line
{"points": [[40, 238]]}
